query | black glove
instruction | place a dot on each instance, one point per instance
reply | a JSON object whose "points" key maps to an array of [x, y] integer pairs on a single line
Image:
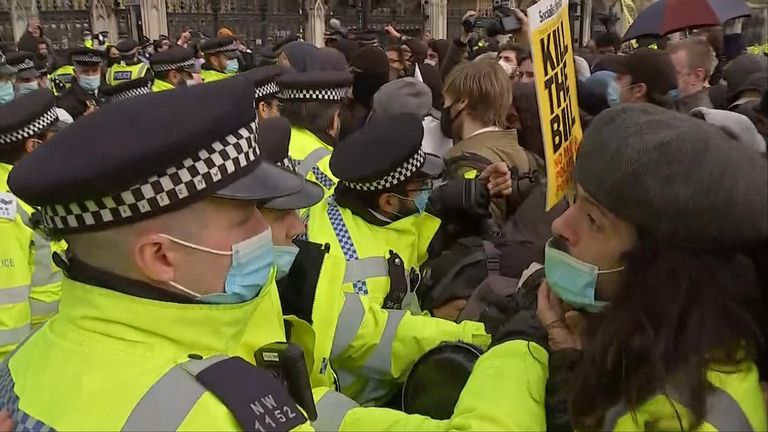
{"points": [[467, 195], [524, 325]]}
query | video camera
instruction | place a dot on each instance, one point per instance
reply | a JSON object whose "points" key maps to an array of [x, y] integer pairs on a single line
{"points": [[502, 21]]}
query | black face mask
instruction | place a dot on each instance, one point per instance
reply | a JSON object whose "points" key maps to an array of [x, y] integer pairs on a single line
{"points": [[112, 61], [446, 121]]}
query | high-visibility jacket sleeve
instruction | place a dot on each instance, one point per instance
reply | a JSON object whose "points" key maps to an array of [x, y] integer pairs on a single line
{"points": [[383, 343], [504, 392], [16, 268]]}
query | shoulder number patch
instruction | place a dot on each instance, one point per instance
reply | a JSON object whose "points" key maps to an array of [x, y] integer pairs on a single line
{"points": [[258, 400], [7, 206]]}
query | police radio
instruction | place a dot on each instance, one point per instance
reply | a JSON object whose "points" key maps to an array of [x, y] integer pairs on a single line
{"points": [[286, 362]]}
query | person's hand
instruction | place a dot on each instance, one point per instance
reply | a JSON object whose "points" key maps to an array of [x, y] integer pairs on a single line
{"points": [[90, 107], [466, 30], [6, 422], [391, 31], [553, 317], [523, 21], [499, 179], [449, 311]]}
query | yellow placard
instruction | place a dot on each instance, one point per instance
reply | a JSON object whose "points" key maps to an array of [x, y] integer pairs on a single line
{"points": [[555, 80]]}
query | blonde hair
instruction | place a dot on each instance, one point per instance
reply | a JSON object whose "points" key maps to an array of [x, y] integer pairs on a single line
{"points": [[700, 54], [486, 87]]}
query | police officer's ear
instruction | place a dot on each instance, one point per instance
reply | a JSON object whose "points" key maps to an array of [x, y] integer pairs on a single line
{"points": [[389, 204], [264, 110], [155, 257], [640, 90], [335, 127]]}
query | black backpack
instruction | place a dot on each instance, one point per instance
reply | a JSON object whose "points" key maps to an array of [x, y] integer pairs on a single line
{"points": [[486, 269]]}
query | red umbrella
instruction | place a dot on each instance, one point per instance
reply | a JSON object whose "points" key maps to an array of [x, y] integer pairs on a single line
{"points": [[668, 16]]}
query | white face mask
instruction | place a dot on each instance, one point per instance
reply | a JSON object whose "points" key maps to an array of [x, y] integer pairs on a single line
{"points": [[507, 67]]}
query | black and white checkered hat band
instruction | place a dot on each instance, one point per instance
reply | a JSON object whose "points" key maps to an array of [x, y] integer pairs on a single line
{"points": [[225, 48], [130, 93], [401, 174], [86, 58], [30, 129], [267, 89], [25, 65], [209, 166], [189, 64], [329, 94], [287, 163]]}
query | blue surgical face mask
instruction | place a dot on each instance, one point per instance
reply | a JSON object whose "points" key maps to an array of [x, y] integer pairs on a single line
{"points": [[232, 66], [420, 201], [252, 261], [574, 281], [613, 94], [674, 94], [89, 82], [27, 87], [6, 92], [284, 257]]}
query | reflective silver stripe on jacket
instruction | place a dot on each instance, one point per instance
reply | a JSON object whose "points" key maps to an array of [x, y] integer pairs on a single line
{"points": [[14, 335], [377, 369], [41, 308], [366, 268], [350, 320], [170, 400], [19, 294], [311, 160], [331, 410], [379, 363], [44, 273], [722, 412]]}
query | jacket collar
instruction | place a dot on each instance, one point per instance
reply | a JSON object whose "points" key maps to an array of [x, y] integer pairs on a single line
{"points": [[324, 138], [131, 323]]}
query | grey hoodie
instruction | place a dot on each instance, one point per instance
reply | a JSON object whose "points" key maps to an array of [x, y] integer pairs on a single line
{"points": [[734, 124]]}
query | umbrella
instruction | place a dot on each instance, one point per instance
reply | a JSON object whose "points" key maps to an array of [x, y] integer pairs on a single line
{"points": [[668, 16]]}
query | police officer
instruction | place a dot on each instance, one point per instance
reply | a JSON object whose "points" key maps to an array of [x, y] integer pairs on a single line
{"points": [[368, 347], [220, 55], [87, 38], [26, 77], [61, 77], [265, 87], [29, 281], [167, 261], [82, 97], [173, 68], [7, 92], [311, 101], [129, 67], [127, 89]]}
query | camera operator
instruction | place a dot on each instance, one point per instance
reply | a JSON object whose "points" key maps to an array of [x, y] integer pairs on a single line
{"points": [[476, 29]]}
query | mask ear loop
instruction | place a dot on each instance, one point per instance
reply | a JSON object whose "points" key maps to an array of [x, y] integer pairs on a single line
{"points": [[194, 246], [181, 288]]}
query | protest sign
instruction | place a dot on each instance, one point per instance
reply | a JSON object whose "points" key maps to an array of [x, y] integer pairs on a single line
{"points": [[555, 80]]}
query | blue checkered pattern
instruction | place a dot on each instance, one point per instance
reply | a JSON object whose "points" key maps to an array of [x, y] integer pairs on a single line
{"points": [[345, 241], [9, 401], [321, 178]]}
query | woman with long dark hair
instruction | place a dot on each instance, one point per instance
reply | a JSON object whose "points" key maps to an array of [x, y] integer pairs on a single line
{"points": [[656, 251]]}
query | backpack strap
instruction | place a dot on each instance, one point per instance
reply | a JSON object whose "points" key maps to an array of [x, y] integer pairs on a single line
{"points": [[492, 258]]}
